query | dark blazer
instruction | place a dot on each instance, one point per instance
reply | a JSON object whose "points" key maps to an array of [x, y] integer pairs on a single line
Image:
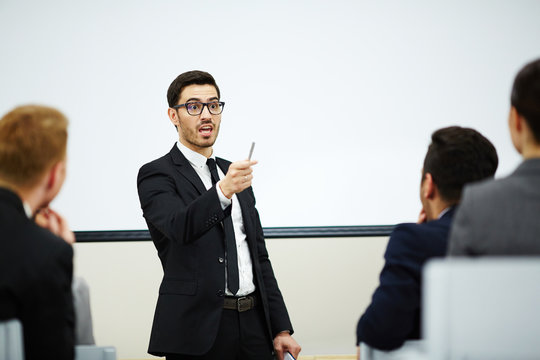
{"points": [[500, 217], [184, 220], [36, 270], [394, 313]]}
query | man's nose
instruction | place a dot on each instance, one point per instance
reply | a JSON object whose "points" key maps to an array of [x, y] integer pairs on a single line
{"points": [[205, 114]]}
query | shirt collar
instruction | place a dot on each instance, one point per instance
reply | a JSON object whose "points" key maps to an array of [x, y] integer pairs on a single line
{"points": [[27, 209], [444, 212], [194, 158]]}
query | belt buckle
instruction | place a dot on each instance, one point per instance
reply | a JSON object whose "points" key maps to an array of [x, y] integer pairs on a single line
{"points": [[243, 304]]}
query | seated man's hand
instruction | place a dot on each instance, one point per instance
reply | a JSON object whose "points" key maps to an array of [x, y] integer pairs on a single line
{"points": [[52, 221]]}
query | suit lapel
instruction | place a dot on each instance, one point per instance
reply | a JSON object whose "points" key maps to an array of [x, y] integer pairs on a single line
{"points": [[249, 228], [223, 164], [183, 166]]}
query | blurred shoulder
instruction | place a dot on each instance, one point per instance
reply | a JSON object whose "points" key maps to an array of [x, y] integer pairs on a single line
{"points": [[157, 163], [50, 246], [428, 238], [410, 231], [480, 195]]}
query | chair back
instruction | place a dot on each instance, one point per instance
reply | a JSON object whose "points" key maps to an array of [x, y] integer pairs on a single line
{"points": [[482, 308], [410, 350], [92, 352], [11, 340]]}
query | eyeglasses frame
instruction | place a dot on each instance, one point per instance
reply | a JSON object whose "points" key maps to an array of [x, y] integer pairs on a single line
{"points": [[221, 104]]}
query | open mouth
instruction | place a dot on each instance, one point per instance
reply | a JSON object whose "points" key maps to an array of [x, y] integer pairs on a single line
{"points": [[206, 130]]}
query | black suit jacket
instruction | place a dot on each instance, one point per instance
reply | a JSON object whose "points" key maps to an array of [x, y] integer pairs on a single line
{"points": [[394, 313], [184, 220], [35, 282]]}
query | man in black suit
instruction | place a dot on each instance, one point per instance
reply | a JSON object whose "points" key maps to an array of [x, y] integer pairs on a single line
{"points": [[456, 156], [35, 265], [219, 298]]}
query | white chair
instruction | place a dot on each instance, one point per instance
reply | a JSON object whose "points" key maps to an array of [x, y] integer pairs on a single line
{"points": [[84, 330], [92, 352], [411, 350], [12, 345], [11, 340], [482, 308]]}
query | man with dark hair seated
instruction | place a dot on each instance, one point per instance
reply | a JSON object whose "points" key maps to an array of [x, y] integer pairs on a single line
{"points": [[455, 157]]}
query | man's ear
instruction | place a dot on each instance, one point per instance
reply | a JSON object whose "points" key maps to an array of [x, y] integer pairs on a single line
{"points": [[516, 120], [173, 116], [52, 177], [516, 124], [429, 188], [56, 174]]}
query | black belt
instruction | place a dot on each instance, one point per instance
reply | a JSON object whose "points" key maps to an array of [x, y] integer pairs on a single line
{"points": [[240, 304]]}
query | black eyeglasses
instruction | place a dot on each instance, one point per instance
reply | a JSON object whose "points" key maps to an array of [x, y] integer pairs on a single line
{"points": [[197, 107]]}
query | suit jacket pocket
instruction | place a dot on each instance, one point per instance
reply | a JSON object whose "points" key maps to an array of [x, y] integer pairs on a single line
{"points": [[178, 287]]}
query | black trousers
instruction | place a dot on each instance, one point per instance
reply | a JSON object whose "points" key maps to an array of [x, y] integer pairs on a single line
{"points": [[241, 336]]}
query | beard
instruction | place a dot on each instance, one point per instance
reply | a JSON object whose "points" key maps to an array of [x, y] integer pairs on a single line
{"points": [[196, 140]]}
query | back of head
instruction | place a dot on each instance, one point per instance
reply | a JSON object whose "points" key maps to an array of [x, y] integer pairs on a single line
{"points": [[457, 156], [194, 77], [525, 96], [32, 139]]}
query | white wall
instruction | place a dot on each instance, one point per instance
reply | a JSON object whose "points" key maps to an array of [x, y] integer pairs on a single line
{"points": [[338, 95], [326, 283]]}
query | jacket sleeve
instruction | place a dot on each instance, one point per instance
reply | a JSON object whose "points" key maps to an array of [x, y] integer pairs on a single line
{"points": [[279, 317], [174, 206], [394, 310]]}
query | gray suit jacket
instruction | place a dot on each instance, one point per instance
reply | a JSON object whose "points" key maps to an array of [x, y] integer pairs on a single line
{"points": [[500, 217]]}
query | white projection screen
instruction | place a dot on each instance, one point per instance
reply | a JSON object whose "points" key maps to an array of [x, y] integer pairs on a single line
{"points": [[341, 97]]}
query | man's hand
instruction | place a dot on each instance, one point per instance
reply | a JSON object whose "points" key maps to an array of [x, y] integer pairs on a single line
{"points": [[238, 178], [358, 352], [52, 221], [284, 342]]}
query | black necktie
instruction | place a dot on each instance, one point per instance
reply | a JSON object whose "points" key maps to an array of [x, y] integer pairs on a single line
{"points": [[230, 240]]}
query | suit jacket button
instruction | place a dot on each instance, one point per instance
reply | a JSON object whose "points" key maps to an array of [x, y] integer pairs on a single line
{"points": [[220, 293], [220, 259]]}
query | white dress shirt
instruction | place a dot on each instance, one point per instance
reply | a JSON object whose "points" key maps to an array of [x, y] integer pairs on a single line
{"points": [[27, 210], [245, 269]]}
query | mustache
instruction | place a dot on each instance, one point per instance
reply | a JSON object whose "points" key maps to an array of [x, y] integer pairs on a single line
{"points": [[206, 122]]}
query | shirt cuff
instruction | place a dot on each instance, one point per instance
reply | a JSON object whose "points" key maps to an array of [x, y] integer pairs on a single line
{"points": [[222, 198]]}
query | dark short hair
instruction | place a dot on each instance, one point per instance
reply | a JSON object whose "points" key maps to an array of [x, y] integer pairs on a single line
{"points": [[194, 77], [457, 156], [526, 96]]}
